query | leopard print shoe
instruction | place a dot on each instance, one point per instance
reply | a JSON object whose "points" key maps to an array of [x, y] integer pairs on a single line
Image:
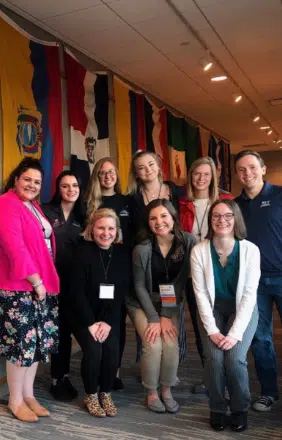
{"points": [[107, 404], [92, 403]]}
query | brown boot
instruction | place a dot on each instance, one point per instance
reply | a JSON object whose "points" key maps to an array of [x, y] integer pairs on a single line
{"points": [[92, 403], [23, 413], [35, 406], [107, 404]]}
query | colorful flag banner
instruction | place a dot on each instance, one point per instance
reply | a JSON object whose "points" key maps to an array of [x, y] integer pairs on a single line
{"points": [[31, 102], [123, 121], [183, 138], [220, 153], [88, 110]]}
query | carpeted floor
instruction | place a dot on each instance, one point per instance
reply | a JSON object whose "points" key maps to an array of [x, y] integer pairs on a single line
{"points": [[134, 421]]}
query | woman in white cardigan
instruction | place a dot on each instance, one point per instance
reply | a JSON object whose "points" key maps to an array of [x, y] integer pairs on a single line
{"points": [[225, 273]]}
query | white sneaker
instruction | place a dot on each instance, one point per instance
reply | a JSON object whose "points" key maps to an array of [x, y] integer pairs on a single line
{"points": [[264, 403]]}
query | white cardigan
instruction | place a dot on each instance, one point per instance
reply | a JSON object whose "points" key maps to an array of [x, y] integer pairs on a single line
{"points": [[246, 294]]}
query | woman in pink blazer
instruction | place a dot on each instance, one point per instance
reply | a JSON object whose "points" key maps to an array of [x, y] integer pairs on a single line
{"points": [[29, 286]]}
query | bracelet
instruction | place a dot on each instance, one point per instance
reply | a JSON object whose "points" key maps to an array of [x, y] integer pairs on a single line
{"points": [[37, 284]]}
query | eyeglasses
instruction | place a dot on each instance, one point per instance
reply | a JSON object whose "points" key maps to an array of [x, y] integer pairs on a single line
{"points": [[111, 172], [228, 216]]}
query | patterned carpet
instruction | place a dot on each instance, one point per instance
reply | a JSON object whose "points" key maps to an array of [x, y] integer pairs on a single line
{"points": [[134, 421]]}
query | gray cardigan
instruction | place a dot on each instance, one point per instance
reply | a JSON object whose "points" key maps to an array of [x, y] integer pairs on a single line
{"points": [[142, 274]]}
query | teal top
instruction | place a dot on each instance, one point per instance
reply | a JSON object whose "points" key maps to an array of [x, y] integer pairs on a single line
{"points": [[226, 278]]}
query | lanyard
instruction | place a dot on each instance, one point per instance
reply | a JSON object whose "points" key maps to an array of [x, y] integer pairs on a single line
{"points": [[38, 217], [166, 270], [200, 226], [106, 269]]}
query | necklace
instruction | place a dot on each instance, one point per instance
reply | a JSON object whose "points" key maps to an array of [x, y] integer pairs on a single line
{"points": [[200, 225], [152, 195], [34, 210], [225, 251]]}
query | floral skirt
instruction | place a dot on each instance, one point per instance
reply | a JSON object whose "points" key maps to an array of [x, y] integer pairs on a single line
{"points": [[29, 328]]}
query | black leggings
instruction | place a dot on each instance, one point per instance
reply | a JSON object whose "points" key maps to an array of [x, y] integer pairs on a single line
{"points": [[60, 362], [99, 362], [122, 333], [192, 305]]}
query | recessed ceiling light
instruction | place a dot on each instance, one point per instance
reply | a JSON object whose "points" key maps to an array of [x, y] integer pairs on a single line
{"points": [[269, 132], [218, 78], [265, 128], [256, 118], [279, 141], [206, 65], [237, 98]]}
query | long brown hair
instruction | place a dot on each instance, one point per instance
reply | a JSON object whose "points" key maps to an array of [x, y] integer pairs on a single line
{"points": [[213, 188], [133, 181], [93, 194], [146, 232], [240, 231]]}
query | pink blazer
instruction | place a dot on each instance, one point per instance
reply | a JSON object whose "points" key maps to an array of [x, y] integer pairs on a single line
{"points": [[23, 250]]}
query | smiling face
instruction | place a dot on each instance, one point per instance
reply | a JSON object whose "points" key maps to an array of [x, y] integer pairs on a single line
{"points": [[107, 175], [69, 189], [222, 220], [202, 177], [146, 168], [250, 172], [28, 184], [160, 221], [104, 232]]}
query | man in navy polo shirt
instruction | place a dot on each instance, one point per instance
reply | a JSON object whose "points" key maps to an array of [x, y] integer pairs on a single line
{"points": [[261, 205]]}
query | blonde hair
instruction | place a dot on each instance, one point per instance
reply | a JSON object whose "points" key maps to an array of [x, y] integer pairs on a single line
{"points": [[133, 181], [213, 188], [93, 194], [97, 215]]}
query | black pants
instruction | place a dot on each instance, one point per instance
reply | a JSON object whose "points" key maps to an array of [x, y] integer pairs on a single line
{"points": [[122, 333], [60, 362], [99, 362], [192, 305]]}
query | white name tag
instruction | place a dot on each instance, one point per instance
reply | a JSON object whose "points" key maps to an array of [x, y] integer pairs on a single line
{"points": [[106, 291], [167, 293]]}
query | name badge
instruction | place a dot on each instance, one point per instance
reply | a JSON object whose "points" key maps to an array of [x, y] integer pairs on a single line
{"points": [[106, 291], [167, 293]]}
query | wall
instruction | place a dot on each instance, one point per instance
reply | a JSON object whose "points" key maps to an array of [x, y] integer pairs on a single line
{"points": [[273, 161]]}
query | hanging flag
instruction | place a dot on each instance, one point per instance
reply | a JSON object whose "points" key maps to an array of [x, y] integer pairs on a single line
{"points": [[123, 129], [137, 120], [205, 138], [88, 109], [183, 141], [220, 152], [31, 102]]}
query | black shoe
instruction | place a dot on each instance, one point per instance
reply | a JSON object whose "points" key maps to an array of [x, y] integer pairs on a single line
{"points": [[239, 421], [71, 390], [199, 388], [63, 390], [118, 384], [217, 421]]}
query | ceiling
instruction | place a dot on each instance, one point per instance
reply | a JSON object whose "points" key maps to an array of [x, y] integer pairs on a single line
{"points": [[158, 44]]}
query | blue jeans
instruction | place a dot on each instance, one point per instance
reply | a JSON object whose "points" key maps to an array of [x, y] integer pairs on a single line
{"points": [[228, 368], [269, 292]]}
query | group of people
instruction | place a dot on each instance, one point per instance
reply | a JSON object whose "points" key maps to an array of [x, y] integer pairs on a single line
{"points": [[79, 264]]}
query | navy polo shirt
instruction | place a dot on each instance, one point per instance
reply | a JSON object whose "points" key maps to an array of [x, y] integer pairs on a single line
{"points": [[263, 218]]}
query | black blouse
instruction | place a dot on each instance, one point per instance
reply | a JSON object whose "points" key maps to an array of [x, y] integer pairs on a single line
{"points": [[86, 276], [165, 270]]}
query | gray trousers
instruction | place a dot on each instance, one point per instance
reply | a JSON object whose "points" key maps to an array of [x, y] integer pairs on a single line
{"points": [[228, 368]]}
